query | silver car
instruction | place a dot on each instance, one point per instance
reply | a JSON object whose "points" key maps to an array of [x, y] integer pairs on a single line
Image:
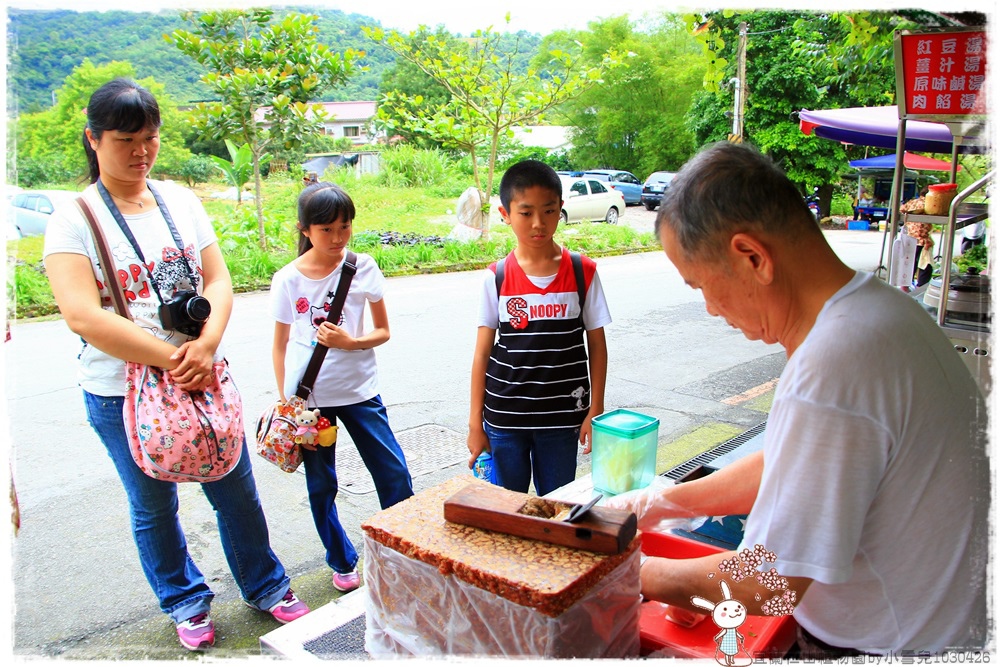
{"points": [[28, 211], [588, 199]]}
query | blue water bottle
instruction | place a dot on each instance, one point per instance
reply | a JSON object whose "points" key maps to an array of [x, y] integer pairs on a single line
{"points": [[483, 468]]}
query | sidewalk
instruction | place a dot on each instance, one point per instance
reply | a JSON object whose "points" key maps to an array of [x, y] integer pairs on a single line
{"points": [[78, 590]]}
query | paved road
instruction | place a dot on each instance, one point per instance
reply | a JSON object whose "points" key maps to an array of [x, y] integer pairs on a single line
{"points": [[78, 589]]}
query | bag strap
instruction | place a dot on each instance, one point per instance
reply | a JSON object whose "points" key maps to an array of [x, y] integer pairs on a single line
{"points": [[577, 261], [104, 255], [336, 308]]}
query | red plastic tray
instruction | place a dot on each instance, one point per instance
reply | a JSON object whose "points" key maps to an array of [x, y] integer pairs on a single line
{"points": [[765, 636]]}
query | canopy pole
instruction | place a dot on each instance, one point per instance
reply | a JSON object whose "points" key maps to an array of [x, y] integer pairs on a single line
{"points": [[952, 178], [897, 178], [954, 162]]}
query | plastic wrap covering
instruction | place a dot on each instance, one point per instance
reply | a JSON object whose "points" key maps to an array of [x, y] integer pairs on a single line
{"points": [[413, 609]]}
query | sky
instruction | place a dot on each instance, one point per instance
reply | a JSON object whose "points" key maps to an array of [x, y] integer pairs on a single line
{"points": [[466, 16]]}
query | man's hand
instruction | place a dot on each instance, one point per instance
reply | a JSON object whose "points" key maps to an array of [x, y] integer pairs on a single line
{"points": [[649, 504]]}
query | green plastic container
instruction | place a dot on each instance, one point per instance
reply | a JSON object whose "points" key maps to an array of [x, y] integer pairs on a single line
{"points": [[623, 456]]}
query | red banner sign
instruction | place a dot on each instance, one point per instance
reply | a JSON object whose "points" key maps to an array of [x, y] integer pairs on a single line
{"points": [[944, 73]]}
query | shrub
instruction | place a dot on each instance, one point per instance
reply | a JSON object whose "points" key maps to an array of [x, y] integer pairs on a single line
{"points": [[842, 205], [28, 291], [413, 217], [414, 167], [250, 267], [198, 169], [973, 258], [39, 172]]}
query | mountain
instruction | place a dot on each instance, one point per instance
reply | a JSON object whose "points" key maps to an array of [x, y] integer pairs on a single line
{"points": [[45, 46]]}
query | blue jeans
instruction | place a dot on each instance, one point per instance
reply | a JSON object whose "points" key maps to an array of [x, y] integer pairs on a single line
{"points": [[547, 454], [368, 424], [173, 576]]}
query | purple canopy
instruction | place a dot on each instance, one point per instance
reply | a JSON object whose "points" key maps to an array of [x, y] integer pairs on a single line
{"points": [[877, 126]]}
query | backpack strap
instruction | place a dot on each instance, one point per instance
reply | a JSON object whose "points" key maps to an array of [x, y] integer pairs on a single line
{"points": [[499, 277], [581, 284]]}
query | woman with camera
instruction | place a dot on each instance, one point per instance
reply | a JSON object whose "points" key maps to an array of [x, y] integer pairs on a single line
{"points": [[179, 294]]}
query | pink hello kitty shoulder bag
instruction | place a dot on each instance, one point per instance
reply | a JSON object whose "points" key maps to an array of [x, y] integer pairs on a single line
{"points": [[174, 435]]}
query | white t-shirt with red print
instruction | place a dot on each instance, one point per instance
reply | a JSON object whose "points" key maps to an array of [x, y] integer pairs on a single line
{"points": [[346, 376], [68, 232]]}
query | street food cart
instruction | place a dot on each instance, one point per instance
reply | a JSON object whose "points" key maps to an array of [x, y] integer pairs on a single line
{"points": [[660, 634], [440, 588], [941, 77], [934, 114]]}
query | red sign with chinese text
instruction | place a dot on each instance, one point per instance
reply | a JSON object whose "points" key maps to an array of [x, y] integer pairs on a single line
{"points": [[944, 73]]}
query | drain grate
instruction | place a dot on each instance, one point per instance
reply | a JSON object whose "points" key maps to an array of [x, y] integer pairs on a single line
{"points": [[345, 643], [714, 453], [427, 448]]}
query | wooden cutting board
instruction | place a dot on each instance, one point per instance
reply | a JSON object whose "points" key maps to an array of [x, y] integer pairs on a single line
{"points": [[602, 529]]}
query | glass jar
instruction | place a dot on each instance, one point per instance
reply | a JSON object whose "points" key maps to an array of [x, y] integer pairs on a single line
{"points": [[938, 198]]}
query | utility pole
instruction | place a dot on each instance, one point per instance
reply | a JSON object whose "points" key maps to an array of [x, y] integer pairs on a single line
{"points": [[739, 86]]}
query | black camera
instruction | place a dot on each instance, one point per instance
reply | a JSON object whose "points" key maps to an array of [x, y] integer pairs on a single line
{"points": [[185, 313]]}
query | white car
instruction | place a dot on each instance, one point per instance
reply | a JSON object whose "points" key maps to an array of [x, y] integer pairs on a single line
{"points": [[590, 199], [28, 211]]}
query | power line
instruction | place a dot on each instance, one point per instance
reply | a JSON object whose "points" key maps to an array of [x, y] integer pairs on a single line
{"points": [[766, 32]]}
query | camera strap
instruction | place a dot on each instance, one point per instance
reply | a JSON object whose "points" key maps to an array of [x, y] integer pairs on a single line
{"points": [[120, 219]]}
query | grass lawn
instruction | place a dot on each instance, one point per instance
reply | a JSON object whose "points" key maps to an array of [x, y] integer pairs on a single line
{"points": [[383, 213]]}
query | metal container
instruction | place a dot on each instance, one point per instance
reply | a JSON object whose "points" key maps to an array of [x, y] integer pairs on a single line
{"points": [[968, 297]]}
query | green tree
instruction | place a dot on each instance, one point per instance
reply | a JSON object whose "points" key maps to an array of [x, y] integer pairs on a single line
{"points": [[52, 139], [804, 60], [265, 71], [407, 79], [635, 118], [488, 95], [780, 81], [852, 53]]}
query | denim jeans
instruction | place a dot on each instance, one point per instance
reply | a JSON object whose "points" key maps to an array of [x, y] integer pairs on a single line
{"points": [[368, 424], [547, 454], [175, 579]]}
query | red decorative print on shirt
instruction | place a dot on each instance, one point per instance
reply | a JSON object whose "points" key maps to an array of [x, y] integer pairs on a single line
{"points": [[518, 318]]}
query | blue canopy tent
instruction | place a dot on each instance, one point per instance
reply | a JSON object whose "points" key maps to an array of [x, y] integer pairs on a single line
{"points": [[881, 168], [910, 161]]}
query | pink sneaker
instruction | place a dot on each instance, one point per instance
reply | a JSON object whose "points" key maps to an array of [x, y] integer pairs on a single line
{"points": [[196, 633], [346, 582], [289, 609]]}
